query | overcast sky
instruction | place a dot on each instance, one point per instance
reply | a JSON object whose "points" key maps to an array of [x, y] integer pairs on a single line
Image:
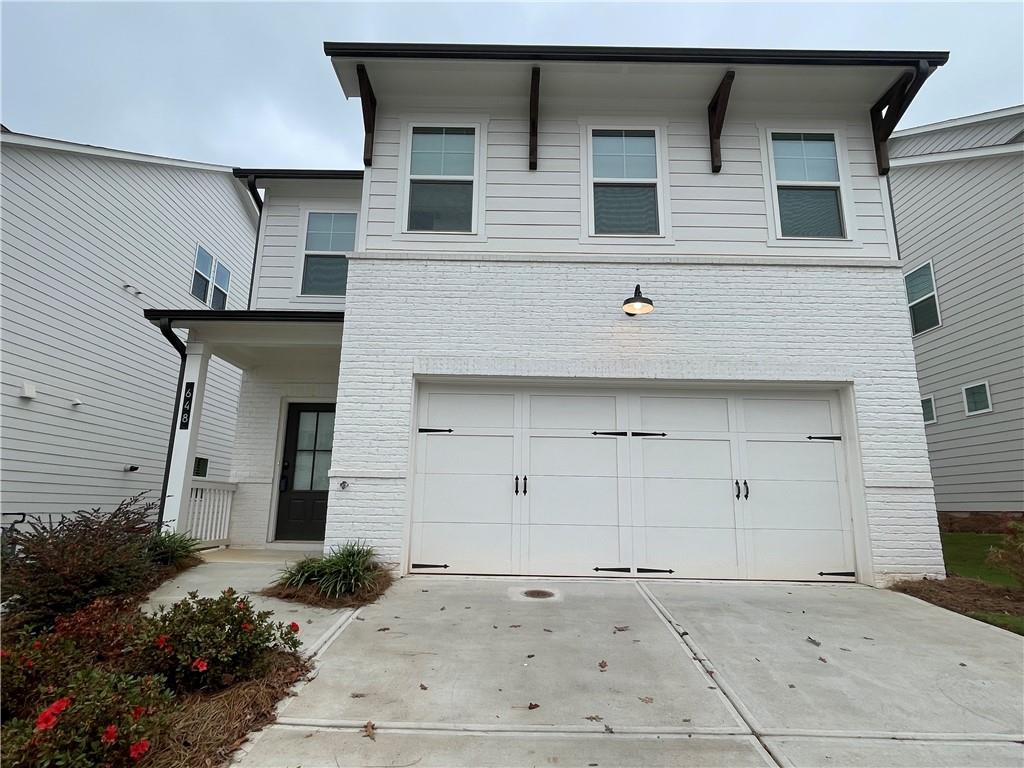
{"points": [[248, 83]]}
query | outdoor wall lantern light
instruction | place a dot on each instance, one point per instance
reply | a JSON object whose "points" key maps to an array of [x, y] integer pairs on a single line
{"points": [[637, 304]]}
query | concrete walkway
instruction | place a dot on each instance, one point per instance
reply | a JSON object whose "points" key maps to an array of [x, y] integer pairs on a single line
{"points": [[471, 672], [248, 571]]}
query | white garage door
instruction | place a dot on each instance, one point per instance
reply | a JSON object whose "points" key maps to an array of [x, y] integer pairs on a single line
{"points": [[738, 485]]}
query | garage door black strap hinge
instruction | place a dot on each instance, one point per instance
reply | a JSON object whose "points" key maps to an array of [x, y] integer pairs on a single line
{"points": [[428, 429], [617, 570], [824, 437], [612, 434], [654, 570], [837, 573], [649, 434], [428, 565]]}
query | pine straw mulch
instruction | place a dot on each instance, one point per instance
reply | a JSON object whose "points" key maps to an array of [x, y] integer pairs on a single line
{"points": [[966, 596], [309, 594], [205, 729]]}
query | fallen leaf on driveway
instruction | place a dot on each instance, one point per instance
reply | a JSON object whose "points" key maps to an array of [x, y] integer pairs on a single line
{"points": [[514, 626], [594, 718], [384, 629], [548, 630], [823, 660], [442, 607], [608, 728], [602, 665], [646, 699], [812, 641], [530, 655], [370, 730], [623, 628], [357, 695], [533, 706], [792, 686], [423, 687], [845, 649]]}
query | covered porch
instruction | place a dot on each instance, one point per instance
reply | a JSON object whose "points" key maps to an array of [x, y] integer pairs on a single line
{"points": [[284, 427]]}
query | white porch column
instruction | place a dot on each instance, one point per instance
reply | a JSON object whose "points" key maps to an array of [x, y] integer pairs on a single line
{"points": [[186, 433]]}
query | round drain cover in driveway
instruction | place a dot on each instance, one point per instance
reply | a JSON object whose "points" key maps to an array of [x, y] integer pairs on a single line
{"points": [[539, 593]]}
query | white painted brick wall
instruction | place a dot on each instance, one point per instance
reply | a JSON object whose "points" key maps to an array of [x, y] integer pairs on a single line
{"points": [[770, 323], [260, 410]]}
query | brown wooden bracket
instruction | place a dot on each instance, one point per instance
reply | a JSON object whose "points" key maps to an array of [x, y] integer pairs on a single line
{"points": [[369, 103], [716, 119], [534, 115], [893, 104]]}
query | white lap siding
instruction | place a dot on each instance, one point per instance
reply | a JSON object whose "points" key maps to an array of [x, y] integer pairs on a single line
{"points": [[712, 323]]}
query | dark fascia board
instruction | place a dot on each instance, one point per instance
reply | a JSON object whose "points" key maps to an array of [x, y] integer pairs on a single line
{"points": [[297, 173], [242, 315], [630, 54]]}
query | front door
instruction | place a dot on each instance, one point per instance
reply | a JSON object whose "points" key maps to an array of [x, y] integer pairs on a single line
{"points": [[302, 506]]}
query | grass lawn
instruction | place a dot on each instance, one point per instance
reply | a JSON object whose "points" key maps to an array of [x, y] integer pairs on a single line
{"points": [[965, 556]]}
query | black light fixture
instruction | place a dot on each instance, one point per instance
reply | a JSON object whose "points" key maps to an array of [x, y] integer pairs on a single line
{"points": [[637, 304]]}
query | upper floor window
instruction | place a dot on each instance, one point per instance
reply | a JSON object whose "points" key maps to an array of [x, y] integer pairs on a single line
{"points": [[928, 409], [329, 236], [208, 273], [924, 302], [807, 185], [442, 177], [976, 398], [625, 182]]}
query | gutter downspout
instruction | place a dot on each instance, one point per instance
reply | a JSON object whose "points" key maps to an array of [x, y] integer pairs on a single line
{"points": [[179, 345], [250, 182]]}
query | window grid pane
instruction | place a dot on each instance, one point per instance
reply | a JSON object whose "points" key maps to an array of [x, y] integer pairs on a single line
{"points": [[919, 283], [223, 278], [622, 154], [219, 300], [810, 212], [204, 262], [443, 151], [924, 315], [977, 398], [200, 286], [325, 276], [807, 157], [331, 232], [626, 209], [441, 206]]}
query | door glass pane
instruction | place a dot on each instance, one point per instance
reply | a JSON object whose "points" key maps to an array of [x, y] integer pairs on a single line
{"points": [[810, 212], [307, 430], [325, 276], [625, 209], [321, 465], [919, 283], [325, 431], [303, 470], [924, 315], [441, 206]]}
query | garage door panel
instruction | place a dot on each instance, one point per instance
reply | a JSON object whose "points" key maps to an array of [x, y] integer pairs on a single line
{"points": [[573, 500], [789, 554], [685, 414], [469, 454], [688, 503], [465, 547], [575, 456], [707, 553], [573, 549], [667, 457], [472, 410], [466, 498], [781, 415], [788, 504], [588, 412], [783, 460]]}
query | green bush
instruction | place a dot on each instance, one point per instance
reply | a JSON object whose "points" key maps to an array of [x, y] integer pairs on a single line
{"points": [[351, 569], [172, 549], [89, 554], [1009, 554], [98, 717], [211, 642]]}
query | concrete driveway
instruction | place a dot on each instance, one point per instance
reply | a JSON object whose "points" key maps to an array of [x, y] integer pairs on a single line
{"points": [[471, 672]]}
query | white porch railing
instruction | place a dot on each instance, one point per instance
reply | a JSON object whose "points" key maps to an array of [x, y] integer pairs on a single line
{"points": [[209, 511]]}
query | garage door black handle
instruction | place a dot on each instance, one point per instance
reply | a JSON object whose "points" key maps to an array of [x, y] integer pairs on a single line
{"points": [[524, 485], [746, 490], [517, 485], [737, 489]]}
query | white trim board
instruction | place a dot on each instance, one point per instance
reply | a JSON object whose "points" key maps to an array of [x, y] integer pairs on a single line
{"points": [[955, 122], [958, 154]]}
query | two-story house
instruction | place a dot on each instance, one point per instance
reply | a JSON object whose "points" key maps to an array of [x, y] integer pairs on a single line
{"points": [[90, 236], [957, 188], [585, 311]]}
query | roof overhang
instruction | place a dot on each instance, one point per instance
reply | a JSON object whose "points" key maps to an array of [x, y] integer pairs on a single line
{"points": [[252, 177]]}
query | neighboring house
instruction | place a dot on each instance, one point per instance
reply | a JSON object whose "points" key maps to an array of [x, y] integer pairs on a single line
{"points": [[91, 236], [505, 401], [957, 191]]}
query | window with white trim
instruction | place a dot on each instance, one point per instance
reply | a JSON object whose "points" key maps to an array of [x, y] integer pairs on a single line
{"points": [[625, 175], [807, 185], [928, 409], [922, 299], [442, 179], [329, 238], [209, 273], [976, 398]]}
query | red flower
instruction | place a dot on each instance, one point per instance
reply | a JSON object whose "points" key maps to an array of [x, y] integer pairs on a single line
{"points": [[199, 665], [37, 645], [240, 605], [60, 705], [138, 712], [246, 626], [293, 627], [46, 720], [28, 663], [4, 654], [138, 749], [161, 641], [109, 734]]}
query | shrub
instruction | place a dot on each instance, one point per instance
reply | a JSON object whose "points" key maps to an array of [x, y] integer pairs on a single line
{"points": [[90, 554], [1009, 555], [351, 569], [99, 717], [173, 550], [211, 642]]}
